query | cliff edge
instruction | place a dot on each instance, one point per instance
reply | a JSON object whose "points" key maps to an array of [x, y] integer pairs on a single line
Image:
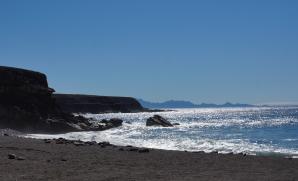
{"points": [[75, 103]]}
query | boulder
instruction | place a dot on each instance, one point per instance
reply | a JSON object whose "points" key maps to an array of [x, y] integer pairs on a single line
{"points": [[157, 120], [115, 122], [108, 124], [12, 156]]}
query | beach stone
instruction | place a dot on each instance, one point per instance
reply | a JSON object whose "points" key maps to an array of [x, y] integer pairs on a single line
{"points": [[5, 134], [133, 149], [91, 143], [176, 124], [157, 120], [20, 158], [48, 141], [108, 124], [78, 143], [121, 149], [104, 144], [144, 150], [12, 156], [61, 141]]}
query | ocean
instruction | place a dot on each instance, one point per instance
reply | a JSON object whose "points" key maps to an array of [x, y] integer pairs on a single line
{"points": [[255, 131]]}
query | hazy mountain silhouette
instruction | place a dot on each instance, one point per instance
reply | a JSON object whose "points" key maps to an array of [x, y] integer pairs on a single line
{"points": [[187, 104]]}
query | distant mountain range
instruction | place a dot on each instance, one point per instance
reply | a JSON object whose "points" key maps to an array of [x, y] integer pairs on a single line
{"points": [[187, 104]]}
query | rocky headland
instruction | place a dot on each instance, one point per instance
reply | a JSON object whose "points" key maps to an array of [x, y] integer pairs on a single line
{"points": [[28, 104], [76, 103]]}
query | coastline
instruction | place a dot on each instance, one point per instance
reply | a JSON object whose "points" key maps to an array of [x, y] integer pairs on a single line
{"points": [[69, 161]]}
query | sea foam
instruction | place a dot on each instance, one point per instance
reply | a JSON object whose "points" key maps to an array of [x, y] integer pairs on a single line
{"points": [[256, 131]]}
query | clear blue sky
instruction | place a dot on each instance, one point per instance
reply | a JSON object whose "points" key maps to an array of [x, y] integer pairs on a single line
{"points": [[202, 51]]}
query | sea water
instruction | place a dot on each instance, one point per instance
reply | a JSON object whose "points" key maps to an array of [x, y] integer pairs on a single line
{"points": [[256, 131]]}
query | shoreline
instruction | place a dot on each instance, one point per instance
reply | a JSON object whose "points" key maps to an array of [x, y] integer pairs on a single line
{"points": [[70, 160], [14, 133]]}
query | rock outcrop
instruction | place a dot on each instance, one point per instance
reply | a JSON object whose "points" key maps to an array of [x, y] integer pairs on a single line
{"points": [[26, 104], [157, 120], [74, 103]]}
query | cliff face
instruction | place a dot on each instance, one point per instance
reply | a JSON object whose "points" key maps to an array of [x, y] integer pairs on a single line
{"points": [[26, 89], [26, 103], [96, 104]]}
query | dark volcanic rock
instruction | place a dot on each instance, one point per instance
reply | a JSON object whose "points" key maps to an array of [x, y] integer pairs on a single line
{"points": [[104, 144], [112, 123], [26, 104], [144, 150], [157, 120], [12, 156], [74, 103]]}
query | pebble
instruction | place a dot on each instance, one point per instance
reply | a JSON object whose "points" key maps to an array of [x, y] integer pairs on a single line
{"points": [[20, 158], [104, 144], [12, 156], [77, 143], [144, 150], [133, 149], [48, 141]]}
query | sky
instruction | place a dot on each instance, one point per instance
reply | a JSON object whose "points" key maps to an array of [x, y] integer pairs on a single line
{"points": [[200, 51]]}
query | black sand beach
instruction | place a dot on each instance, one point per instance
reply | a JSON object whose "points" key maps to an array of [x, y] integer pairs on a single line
{"points": [[39, 160]]}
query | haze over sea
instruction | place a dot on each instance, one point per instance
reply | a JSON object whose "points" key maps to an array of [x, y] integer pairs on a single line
{"points": [[256, 131]]}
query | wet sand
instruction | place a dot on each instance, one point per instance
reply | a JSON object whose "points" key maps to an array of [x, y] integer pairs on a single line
{"points": [[52, 161]]}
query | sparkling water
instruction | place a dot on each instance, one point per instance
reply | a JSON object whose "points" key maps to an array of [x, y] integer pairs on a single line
{"points": [[257, 131]]}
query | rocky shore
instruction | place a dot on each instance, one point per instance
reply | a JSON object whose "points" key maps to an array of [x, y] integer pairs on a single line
{"points": [[28, 104], [60, 159]]}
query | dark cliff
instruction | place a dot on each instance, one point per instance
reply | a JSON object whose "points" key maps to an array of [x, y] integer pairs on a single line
{"points": [[26, 104], [74, 103]]}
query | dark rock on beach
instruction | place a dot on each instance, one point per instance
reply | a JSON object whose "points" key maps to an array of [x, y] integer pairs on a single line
{"points": [[144, 150], [104, 144], [12, 156], [157, 120], [114, 122]]}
